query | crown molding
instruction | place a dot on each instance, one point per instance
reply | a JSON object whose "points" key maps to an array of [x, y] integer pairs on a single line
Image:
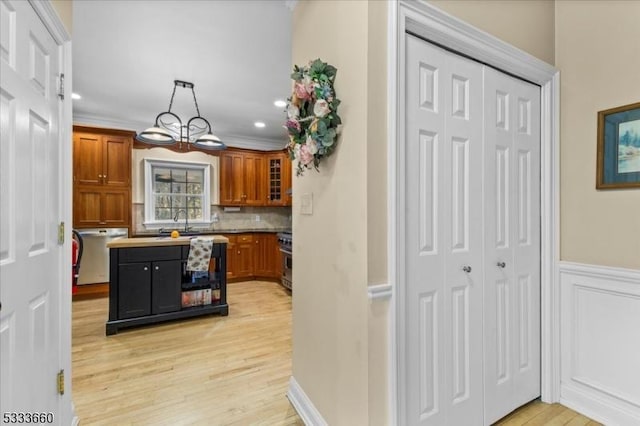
{"points": [[235, 141]]}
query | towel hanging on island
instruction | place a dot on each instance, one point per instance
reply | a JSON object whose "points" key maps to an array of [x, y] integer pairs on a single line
{"points": [[199, 254]]}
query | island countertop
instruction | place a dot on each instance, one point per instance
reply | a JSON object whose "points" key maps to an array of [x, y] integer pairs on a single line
{"points": [[161, 241]]}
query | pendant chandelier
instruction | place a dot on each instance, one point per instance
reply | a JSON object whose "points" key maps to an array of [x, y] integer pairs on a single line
{"points": [[169, 129]]}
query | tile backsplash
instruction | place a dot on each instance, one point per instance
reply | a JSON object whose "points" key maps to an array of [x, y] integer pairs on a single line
{"points": [[270, 218]]}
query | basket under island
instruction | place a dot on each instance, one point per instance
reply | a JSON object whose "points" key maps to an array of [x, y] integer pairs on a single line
{"points": [[149, 282]]}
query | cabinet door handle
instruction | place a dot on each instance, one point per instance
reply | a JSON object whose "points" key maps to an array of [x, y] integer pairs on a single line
{"points": [[238, 252], [501, 264], [467, 269], [157, 268], [146, 268]]}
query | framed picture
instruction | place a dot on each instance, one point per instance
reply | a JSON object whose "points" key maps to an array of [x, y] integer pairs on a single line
{"points": [[619, 148]]}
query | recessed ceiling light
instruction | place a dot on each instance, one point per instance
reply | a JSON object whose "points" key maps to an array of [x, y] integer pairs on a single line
{"points": [[75, 96], [280, 103], [259, 124]]}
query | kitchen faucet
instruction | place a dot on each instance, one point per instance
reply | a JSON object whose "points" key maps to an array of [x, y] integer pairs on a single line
{"points": [[186, 218]]}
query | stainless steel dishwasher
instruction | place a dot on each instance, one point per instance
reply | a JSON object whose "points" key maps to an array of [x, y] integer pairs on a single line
{"points": [[95, 257]]}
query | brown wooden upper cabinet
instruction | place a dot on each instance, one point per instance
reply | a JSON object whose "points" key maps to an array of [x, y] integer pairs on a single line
{"points": [[253, 178], [278, 180], [102, 159], [101, 177]]}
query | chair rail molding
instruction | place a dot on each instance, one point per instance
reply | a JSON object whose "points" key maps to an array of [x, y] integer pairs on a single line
{"points": [[599, 329], [379, 292]]}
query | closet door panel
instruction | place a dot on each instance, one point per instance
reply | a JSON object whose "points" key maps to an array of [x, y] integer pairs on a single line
{"points": [[444, 234], [425, 249], [464, 217], [526, 243], [512, 275]]}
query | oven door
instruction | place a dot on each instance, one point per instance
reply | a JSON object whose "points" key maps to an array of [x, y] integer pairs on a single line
{"points": [[287, 268]]}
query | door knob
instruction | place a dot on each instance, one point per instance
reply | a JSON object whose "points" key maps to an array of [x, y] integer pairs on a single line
{"points": [[467, 269], [501, 264]]}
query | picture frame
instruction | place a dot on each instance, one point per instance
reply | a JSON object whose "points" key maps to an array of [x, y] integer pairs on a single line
{"points": [[618, 163]]}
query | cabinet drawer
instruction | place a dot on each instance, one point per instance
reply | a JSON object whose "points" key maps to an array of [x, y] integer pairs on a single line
{"points": [[148, 254], [245, 238]]}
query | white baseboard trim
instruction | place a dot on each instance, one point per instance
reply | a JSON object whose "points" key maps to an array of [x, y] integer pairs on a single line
{"points": [[599, 409], [600, 306], [303, 405], [379, 291]]}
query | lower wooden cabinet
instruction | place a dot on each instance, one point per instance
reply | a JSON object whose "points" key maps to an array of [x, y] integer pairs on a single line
{"points": [[253, 256], [97, 207], [231, 256], [266, 258]]}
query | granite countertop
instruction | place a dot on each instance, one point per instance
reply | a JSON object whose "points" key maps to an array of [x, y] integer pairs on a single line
{"points": [[219, 231], [160, 241]]}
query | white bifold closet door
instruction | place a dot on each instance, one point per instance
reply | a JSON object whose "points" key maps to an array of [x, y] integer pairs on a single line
{"points": [[471, 323], [512, 244]]}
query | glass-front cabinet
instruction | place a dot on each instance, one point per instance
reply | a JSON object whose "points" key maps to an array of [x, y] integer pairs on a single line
{"points": [[279, 179]]}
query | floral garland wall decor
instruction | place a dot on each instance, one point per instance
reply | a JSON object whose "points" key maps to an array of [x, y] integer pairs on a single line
{"points": [[312, 115]]}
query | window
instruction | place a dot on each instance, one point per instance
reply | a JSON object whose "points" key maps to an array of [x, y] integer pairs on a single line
{"points": [[176, 192]]}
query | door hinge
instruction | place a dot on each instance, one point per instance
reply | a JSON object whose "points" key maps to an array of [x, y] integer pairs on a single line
{"points": [[61, 382], [61, 87], [61, 233]]}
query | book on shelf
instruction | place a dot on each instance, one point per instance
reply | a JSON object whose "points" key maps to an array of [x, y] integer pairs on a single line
{"points": [[198, 297]]}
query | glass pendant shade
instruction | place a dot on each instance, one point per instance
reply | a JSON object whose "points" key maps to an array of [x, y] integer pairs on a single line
{"points": [[156, 135], [209, 141]]}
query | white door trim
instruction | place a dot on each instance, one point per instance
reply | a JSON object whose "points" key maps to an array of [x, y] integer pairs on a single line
{"points": [[449, 32], [62, 37]]}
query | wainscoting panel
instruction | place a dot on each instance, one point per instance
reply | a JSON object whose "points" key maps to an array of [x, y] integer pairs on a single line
{"points": [[600, 340]]}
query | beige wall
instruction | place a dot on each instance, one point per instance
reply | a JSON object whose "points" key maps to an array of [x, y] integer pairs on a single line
{"points": [[378, 398], [598, 54], [526, 24], [330, 308], [65, 12]]}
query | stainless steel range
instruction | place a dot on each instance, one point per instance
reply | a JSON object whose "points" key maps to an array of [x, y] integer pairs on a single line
{"points": [[285, 240]]}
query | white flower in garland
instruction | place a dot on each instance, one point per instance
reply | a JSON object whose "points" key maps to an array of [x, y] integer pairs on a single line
{"points": [[312, 115], [321, 108]]}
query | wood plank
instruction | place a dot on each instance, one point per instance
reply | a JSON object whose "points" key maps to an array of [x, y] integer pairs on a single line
{"points": [[539, 413]]}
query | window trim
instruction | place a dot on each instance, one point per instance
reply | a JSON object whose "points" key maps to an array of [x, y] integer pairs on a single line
{"points": [[149, 219]]}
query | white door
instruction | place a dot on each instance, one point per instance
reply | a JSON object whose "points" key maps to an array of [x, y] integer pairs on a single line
{"points": [[512, 244], [472, 244], [30, 257], [443, 237]]}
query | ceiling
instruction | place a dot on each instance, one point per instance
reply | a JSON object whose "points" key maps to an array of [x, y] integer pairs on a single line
{"points": [[126, 55]]}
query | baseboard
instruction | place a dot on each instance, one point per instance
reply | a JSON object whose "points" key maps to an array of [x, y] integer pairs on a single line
{"points": [[303, 405], [597, 408], [600, 314]]}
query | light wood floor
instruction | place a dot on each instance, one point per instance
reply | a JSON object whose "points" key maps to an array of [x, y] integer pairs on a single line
{"points": [[211, 370], [208, 371]]}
